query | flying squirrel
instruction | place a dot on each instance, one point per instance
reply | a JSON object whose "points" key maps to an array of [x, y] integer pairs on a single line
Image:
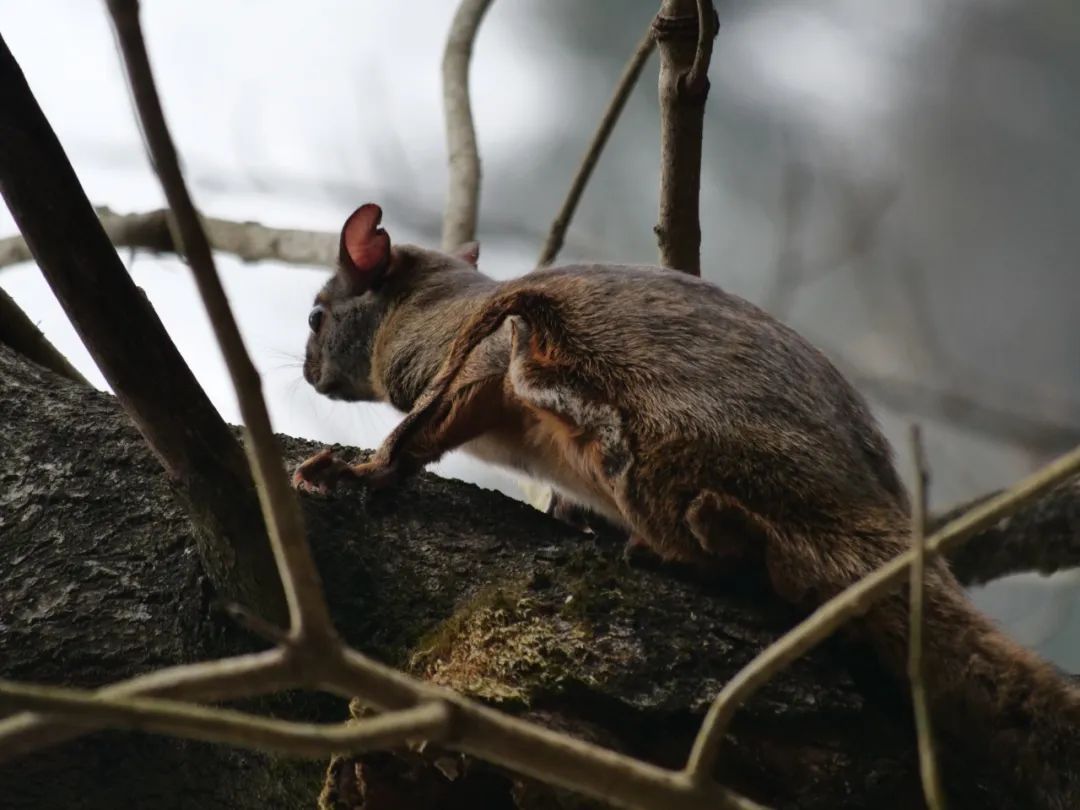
{"points": [[706, 429]]}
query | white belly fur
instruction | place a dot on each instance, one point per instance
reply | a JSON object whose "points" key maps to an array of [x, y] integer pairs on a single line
{"points": [[523, 459]]}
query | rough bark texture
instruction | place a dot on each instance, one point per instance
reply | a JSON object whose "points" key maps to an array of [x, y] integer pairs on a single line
{"points": [[441, 578], [1042, 539]]}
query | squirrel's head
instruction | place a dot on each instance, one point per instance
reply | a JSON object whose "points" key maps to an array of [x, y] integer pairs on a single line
{"points": [[372, 279]]}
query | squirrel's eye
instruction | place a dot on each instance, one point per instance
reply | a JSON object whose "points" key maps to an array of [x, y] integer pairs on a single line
{"points": [[315, 317]]}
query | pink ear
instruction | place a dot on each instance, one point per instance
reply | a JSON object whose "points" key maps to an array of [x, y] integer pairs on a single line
{"points": [[469, 252], [365, 248]]}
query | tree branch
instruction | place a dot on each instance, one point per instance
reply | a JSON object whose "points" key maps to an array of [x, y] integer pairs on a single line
{"points": [[226, 679], [22, 335], [683, 90], [852, 601], [430, 721], [249, 241], [1043, 538], [928, 770], [614, 109], [281, 510], [697, 78], [534, 587], [463, 194], [132, 348]]}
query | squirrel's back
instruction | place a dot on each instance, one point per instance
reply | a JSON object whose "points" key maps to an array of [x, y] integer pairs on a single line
{"points": [[684, 358]]}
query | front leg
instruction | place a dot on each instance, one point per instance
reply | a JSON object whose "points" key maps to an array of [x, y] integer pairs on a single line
{"points": [[435, 426], [323, 471]]}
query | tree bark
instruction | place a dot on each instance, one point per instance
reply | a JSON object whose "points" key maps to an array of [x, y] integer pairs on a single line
{"points": [[441, 578]]}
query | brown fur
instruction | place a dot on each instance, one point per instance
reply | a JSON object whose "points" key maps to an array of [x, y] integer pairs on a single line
{"points": [[705, 428]]}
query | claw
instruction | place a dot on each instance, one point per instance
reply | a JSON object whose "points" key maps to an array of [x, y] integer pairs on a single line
{"points": [[319, 473]]}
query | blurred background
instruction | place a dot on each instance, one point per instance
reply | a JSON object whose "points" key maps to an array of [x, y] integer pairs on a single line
{"points": [[899, 181]]}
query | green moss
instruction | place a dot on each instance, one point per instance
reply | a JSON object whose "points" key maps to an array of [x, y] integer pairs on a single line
{"points": [[503, 645], [437, 642]]}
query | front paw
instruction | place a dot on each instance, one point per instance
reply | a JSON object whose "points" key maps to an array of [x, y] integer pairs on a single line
{"points": [[320, 473], [323, 471]]}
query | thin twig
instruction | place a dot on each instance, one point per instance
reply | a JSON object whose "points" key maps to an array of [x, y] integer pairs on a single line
{"points": [[853, 600], [281, 509], [931, 778], [463, 193], [611, 115], [226, 679], [697, 77], [430, 721], [257, 625]]}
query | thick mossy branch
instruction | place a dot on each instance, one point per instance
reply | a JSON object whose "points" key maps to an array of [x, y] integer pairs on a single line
{"points": [[439, 577]]}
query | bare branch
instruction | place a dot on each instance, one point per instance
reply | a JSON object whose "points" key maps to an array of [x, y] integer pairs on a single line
{"points": [[22, 335], [1043, 538], [249, 241], [131, 347], [682, 115], [697, 78], [257, 625], [832, 615], [931, 777], [281, 509], [14, 250], [611, 115], [430, 721], [463, 194], [227, 679]]}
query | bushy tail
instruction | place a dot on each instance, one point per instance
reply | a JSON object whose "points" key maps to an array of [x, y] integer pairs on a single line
{"points": [[990, 699]]}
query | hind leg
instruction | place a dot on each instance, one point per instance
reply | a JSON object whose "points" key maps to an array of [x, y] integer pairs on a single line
{"points": [[710, 529], [581, 435], [724, 527]]}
